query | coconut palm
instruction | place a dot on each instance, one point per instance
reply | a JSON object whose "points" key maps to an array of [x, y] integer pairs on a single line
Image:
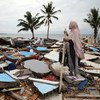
{"points": [[49, 13], [31, 23], [94, 21]]}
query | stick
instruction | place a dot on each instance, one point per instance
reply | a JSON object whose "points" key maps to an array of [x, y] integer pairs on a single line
{"points": [[65, 35]]}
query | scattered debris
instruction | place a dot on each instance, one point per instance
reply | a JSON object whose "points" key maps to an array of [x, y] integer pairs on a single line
{"points": [[29, 71]]}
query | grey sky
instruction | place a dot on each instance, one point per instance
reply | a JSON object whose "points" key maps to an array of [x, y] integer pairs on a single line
{"points": [[12, 10]]}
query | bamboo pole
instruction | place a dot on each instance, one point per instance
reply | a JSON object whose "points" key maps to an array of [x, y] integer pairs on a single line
{"points": [[63, 56]]}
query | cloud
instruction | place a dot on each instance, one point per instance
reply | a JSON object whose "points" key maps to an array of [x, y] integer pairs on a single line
{"points": [[12, 10]]}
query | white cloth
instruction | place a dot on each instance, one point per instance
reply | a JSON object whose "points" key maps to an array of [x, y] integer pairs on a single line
{"points": [[74, 35]]}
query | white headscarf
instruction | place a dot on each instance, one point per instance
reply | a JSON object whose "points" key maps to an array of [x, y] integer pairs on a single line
{"points": [[74, 35]]}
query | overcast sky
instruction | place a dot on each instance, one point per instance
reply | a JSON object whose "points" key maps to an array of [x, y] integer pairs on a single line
{"points": [[12, 10]]}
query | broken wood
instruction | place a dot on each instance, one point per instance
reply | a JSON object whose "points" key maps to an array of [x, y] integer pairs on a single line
{"points": [[84, 96], [92, 68], [16, 96]]}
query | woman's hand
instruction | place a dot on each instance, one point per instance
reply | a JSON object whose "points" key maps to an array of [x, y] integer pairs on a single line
{"points": [[65, 40]]}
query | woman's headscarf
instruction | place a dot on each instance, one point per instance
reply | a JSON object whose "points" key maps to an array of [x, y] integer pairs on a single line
{"points": [[74, 35]]}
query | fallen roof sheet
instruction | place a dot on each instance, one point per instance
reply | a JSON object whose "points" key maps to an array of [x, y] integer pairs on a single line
{"points": [[4, 77], [37, 66], [41, 48], [45, 88], [26, 54]]}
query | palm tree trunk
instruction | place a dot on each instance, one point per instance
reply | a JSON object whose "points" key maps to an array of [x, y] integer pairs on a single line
{"points": [[32, 30], [48, 30], [95, 34]]}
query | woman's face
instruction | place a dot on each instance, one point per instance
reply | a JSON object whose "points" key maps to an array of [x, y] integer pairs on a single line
{"points": [[73, 25]]}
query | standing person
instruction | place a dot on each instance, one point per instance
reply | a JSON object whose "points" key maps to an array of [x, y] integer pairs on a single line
{"points": [[74, 48]]}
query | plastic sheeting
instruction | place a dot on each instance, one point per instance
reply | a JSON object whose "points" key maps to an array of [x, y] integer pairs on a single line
{"points": [[6, 78], [45, 88], [94, 49], [26, 54], [41, 48]]}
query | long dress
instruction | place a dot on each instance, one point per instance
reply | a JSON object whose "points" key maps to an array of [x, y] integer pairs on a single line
{"points": [[72, 59]]}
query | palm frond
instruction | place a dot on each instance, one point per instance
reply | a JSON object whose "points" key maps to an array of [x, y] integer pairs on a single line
{"points": [[28, 17], [55, 17], [23, 24], [53, 8], [23, 29], [40, 17], [43, 11], [36, 15], [44, 7], [46, 22], [50, 21], [21, 20], [86, 20], [56, 11]]}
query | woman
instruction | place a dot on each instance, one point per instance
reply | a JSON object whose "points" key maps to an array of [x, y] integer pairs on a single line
{"points": [[74, 48]]}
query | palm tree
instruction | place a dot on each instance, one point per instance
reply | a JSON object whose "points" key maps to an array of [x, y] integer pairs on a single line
{"points": [[94, 21], [49, 13], [31, 23]]}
